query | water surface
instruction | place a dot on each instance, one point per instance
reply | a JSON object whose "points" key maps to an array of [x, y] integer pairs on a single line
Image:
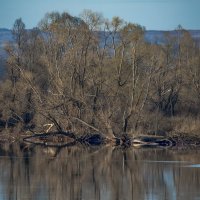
{"points": [[100, 173]]}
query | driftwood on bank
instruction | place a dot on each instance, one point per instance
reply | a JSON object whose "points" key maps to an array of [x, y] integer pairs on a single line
{"points": [[62, 139], [67, 139]]}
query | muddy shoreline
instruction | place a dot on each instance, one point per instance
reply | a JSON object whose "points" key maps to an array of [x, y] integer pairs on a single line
{"points": [[67, 139]]}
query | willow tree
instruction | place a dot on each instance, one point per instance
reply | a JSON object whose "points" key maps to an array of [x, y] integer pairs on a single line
{"points": [[132, 74], [19, 79]]}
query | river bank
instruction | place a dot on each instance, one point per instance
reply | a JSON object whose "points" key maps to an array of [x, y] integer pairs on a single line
{"points": [[66, 139]]}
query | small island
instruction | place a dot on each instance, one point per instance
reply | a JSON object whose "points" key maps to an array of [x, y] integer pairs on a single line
{"points": [[95, 81]]}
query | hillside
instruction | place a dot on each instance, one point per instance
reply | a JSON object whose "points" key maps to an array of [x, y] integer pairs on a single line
{"points": [[5, 36]]}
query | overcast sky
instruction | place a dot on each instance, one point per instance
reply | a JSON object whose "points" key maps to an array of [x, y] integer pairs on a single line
{"points": [[153, 14]]}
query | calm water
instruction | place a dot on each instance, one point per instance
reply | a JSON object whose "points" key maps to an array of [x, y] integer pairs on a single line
{"points": [[105, 173]]}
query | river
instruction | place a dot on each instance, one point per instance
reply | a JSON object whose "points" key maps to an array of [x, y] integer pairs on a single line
{"points": [[98, 173]]}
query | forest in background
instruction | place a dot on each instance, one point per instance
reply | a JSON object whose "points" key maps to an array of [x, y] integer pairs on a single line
{"points": [[89, 74]]}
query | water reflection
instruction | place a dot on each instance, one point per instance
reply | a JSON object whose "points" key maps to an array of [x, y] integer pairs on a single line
{"points": [[106, 173]]}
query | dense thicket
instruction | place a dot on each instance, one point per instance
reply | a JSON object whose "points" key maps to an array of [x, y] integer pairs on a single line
{"points": [[91, 74]]}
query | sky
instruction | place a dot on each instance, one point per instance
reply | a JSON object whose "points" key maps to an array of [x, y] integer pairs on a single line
{"points": [[152, 14]]}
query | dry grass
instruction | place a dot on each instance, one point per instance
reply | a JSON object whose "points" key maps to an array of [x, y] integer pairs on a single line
{"points": [[187, 124]]}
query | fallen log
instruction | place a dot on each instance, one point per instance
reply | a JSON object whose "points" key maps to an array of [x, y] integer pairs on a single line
{"points": [[152, 141], [57, 139]]}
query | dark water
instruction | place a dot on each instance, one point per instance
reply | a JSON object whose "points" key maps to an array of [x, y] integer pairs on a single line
{"points": [[106, 173]]}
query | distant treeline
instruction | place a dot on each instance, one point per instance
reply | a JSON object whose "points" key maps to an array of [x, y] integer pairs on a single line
{"points": [[88, 74]]}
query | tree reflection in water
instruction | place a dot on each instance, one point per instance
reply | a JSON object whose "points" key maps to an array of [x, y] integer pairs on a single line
{"points": [[100, 173]]}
